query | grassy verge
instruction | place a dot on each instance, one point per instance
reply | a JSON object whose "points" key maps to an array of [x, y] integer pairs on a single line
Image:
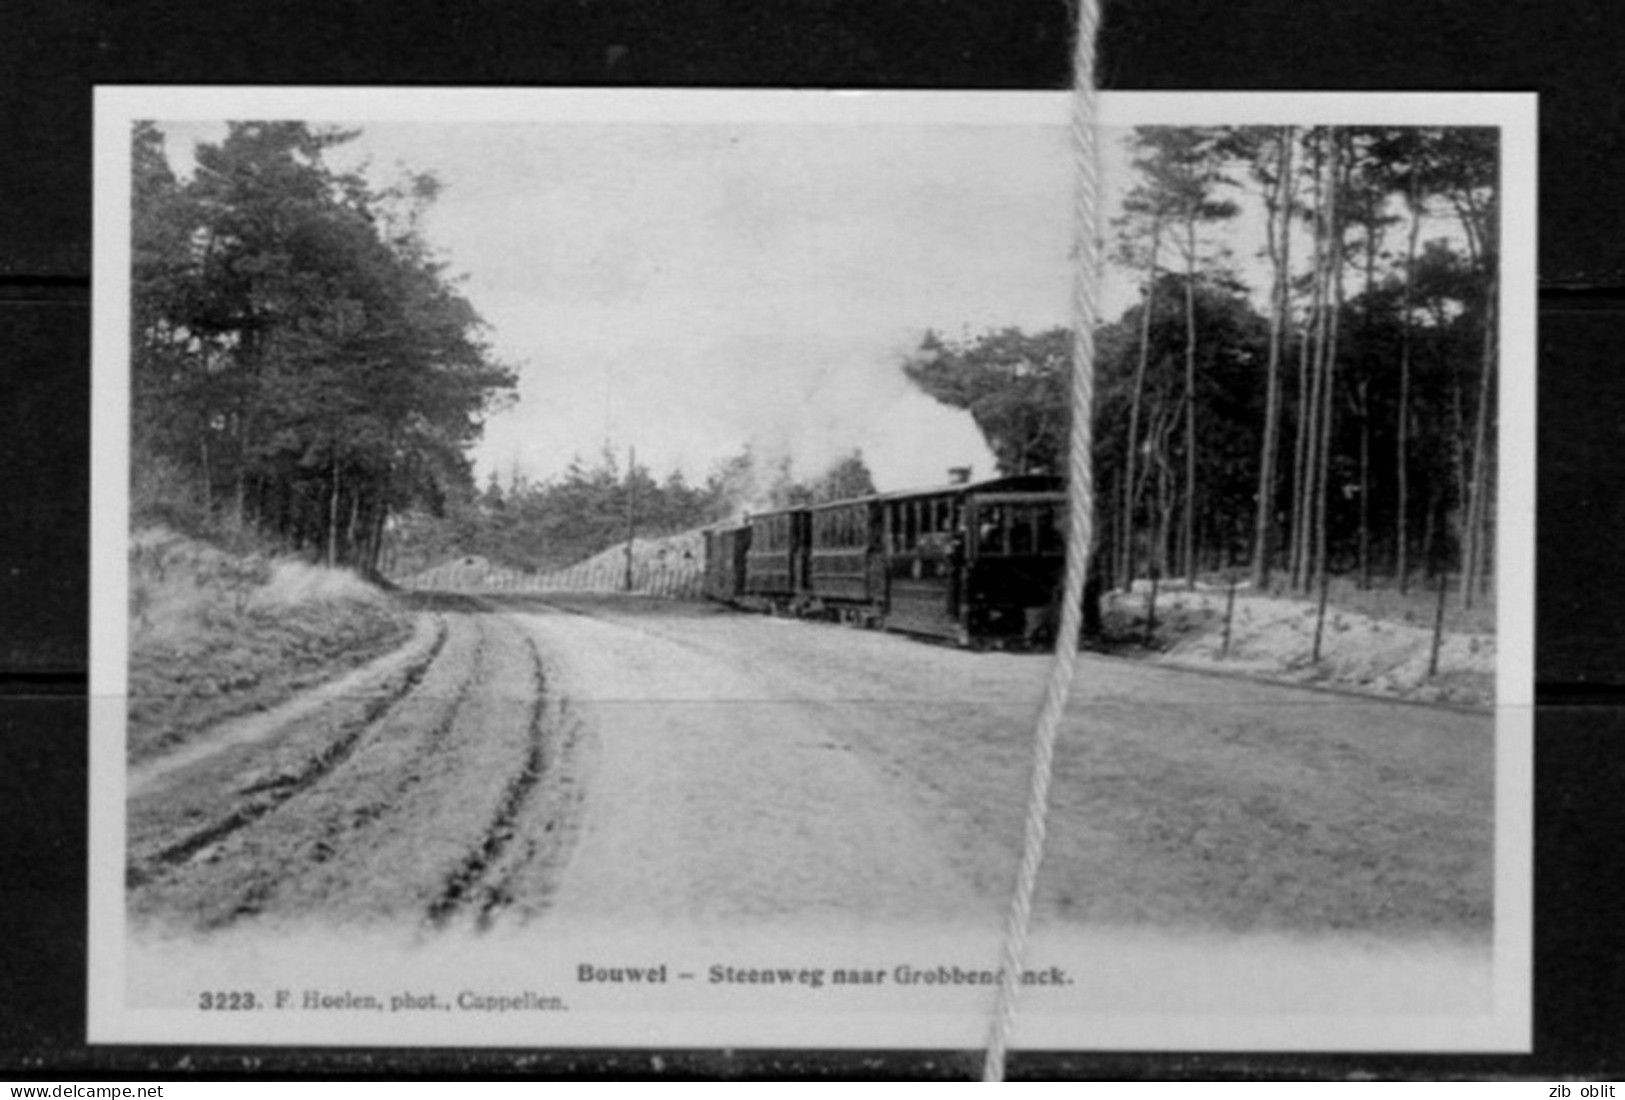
{"points": [[214, 634]]}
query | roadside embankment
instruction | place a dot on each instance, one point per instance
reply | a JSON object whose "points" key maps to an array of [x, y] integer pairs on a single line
{"points": [[214, 635], [1385, 648]]}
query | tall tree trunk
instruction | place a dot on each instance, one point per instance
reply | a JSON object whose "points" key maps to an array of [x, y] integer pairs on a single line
{"points": [[1129, 482], [1165, 512], [1300, 443], [240, 497], [1430, 526], [1463, 470], [1314, 349], [249, 361], [333, 515], [1334, 220], [351, 547], [1365, 483], [1407, 330], [379, 523], [1363, 388], [1188, 533], [1478, 486], [1280, 252], [208, 475]]}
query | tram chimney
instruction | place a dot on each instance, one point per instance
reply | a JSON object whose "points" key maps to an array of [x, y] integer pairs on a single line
{"points": [[958, 475]]}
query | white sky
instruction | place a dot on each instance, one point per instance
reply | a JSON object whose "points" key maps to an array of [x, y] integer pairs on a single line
{"points": [[711, 268], [687, 288]]}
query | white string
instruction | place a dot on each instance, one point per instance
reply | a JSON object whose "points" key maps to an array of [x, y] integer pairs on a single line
{"points": [[1080, 505]]}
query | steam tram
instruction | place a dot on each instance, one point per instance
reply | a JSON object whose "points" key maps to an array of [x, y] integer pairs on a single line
{"points": [[973, 563]]}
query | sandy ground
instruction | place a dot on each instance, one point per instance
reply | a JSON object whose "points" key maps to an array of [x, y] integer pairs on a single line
{"points": [[714, 797], [403, 798], [1274, 637], [588, 756], [644, 774], [1178, 800]]}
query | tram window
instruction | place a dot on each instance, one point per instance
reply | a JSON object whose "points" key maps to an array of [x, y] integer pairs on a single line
{"points": [[1049, 533], [990, 530], [1021, 531]]}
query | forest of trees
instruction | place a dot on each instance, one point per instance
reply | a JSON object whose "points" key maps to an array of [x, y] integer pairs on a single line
{"points": [[303, 366], [1337, 417], [541, 526], [300, 363], [304, 369]]}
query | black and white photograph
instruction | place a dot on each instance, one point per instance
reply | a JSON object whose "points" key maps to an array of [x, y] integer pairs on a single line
{"points": [[582, 568]]}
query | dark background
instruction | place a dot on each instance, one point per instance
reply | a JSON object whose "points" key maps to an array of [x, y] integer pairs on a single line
{"points": [[1570, 51]]}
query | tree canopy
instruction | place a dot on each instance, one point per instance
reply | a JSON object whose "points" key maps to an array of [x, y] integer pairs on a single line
{"points": [[1338, 415], [547, 525], [297, 353], [1013, 385]]}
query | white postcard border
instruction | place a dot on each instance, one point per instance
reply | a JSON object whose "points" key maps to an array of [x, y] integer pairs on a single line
{"points": [[1040, 1026]]}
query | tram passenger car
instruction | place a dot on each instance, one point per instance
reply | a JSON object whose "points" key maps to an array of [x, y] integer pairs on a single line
{"points": [[775, 561], [845, 571], [972, 563], [724, 576]]}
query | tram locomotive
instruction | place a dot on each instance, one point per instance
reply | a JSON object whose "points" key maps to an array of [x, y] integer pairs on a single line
{"points": [[974, 563]]}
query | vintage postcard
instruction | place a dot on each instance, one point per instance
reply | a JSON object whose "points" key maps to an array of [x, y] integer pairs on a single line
{"points": [[578, 568]]}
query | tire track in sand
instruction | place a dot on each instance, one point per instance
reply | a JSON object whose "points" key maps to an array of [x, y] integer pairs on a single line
{"points": [[476, 883], [716, 799], [272, 790], [453, 804], [281, 810]]}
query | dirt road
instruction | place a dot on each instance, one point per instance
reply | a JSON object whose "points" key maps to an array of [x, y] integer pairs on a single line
{"points": [[652, 761]]}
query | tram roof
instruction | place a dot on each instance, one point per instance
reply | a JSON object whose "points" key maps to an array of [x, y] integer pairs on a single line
{"points": [[1015, 483], [1036, 483]]}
